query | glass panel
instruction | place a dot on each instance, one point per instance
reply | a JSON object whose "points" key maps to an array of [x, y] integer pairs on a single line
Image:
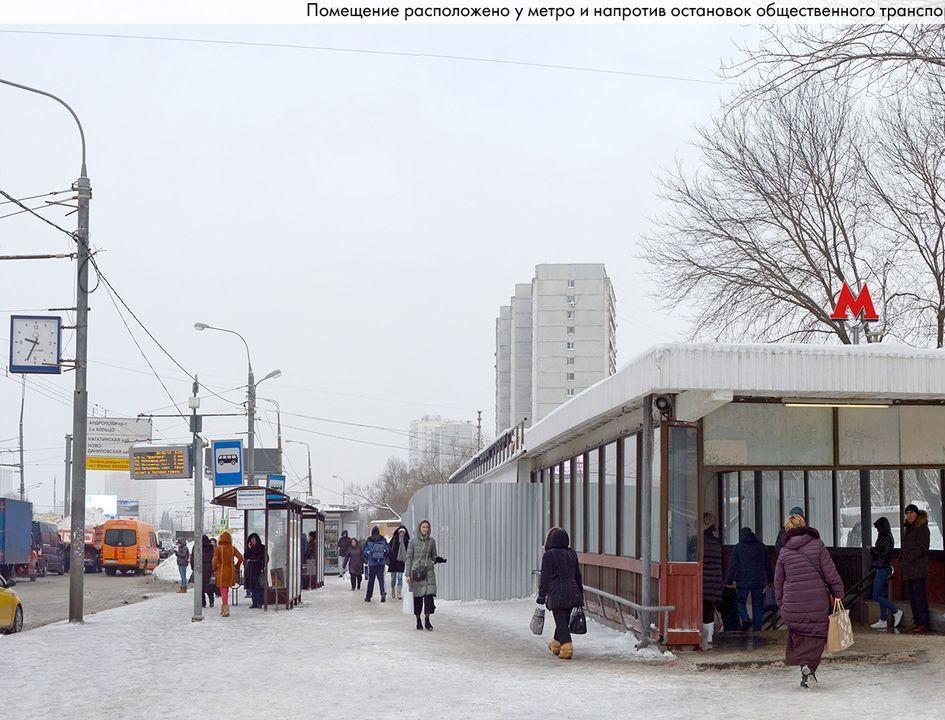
{"points": [[771, 520], [610, 499], [628, 531], [768, 434], [748, 500], [546, 488], [819, 503], [555, 496], [851, 530], [655, 528], [593, 519], [868, 436], [793, 490], [884, 501], [565, 474], [683, 529], [730, 508], [277, 546], [921, 438], [711, 499], [577, 540], [923, 488]]}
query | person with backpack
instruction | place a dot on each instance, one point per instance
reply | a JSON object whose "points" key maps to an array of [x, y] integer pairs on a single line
{"points": [[183, 558], [805, 584], [354, 561], [560, 588], [881, 555], [750, 567], [914, 564], [398, 555], [420, 564], [376, 552]]}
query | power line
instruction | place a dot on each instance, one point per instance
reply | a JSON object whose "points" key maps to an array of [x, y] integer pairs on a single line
{"points": [[13, 200], [385, 53]]}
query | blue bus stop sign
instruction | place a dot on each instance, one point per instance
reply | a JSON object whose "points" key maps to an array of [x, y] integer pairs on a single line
{"points": [[227, 463]]}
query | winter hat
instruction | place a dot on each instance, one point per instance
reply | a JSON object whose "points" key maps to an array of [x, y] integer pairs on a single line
{"points": [[375, 531], [912, 508], [797, 510]]}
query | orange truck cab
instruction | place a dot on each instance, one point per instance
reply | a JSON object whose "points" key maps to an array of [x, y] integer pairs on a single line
{"points": [[129, 545]]}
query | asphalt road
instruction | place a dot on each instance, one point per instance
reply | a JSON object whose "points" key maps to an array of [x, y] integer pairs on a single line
{"points": [[47, 600]]}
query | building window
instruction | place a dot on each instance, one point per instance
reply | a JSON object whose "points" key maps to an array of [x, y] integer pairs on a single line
{"points": [[593, 509], [628, 529], [609, 527], [570, 361], [820, 502], [570, 283], [570, 376], [570, 392], [570, 314], [850, 532], [577, 537], [922, 488], [565, 475], [570, 345], [570, 329]]}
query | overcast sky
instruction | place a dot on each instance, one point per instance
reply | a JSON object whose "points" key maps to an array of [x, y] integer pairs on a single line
{"points": [[359, 218]]}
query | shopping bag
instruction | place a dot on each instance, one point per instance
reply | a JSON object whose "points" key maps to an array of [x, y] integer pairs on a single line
{"points": [[840, 631], [406, 595], [578, 624], [537, 624]]}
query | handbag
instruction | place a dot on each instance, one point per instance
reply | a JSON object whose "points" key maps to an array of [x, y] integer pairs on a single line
{"points": [[840, 630], [537, 624], [418, 574], [578, 624]]}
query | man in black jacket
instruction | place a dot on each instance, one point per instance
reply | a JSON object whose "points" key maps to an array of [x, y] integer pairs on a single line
{"points": [[914, 563], [881, 555], [750, 565]]}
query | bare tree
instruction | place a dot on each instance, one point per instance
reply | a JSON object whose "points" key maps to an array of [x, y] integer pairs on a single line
{"points": [[792, 57], [759, 243], [909, 185]]}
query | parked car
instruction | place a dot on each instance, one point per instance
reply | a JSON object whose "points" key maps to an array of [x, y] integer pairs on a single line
{"points": [[11, 609], [48, 546], [129, 546]]}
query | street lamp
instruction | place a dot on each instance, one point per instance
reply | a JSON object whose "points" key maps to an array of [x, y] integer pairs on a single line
{"points": [[250, 400], [32, 487], [278, 429], [344, 500], [309, 450]]}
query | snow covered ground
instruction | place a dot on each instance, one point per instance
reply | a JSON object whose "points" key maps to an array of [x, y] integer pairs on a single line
{"points": [[340, 657]]}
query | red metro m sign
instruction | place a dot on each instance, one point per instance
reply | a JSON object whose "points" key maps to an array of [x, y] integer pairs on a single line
{"points": [[861, 304]]}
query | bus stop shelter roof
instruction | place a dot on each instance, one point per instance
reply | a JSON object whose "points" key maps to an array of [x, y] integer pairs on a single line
{"points": [[844, 372], [275, 500]]}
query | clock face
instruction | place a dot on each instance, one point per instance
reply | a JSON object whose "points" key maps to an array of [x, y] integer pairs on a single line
{"points": [[34, 344]]}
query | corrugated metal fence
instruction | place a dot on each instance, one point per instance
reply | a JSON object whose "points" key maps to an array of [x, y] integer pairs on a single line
{"points": [[490, 533]]}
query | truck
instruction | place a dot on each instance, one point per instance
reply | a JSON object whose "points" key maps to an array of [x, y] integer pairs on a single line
{"points": [[92, 552], [16, 537]]}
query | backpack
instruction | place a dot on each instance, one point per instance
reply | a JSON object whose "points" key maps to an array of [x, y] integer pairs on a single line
{"points": [[377, 553]]}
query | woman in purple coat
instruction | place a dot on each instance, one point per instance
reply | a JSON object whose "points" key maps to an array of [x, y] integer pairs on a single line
{"points": [[805, 583]]}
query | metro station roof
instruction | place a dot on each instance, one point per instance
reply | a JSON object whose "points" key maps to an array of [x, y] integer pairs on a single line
{"points": [[843, 372]]}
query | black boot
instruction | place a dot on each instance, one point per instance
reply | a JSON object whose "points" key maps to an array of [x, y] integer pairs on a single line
{"points": [[426, 622], [419, 624], [383, 598]]}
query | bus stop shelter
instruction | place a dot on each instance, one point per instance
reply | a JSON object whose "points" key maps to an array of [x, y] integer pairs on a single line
{"points": [[280, 525]]}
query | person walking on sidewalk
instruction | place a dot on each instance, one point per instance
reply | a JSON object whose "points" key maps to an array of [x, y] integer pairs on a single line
{"points": [[354, 561], [420, 566], [713, 578], [183, 557], [914, 564], [750, 568], [225, 570], [398, 556], [560, 588], [255, 575], [376, 552], [881, 554], [206, 581], [805, 584]]}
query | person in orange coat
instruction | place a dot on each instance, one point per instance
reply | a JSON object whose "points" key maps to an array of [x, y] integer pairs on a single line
{"points": [[225, 571]]}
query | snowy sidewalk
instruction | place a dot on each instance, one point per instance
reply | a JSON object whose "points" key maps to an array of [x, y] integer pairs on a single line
{"points": [[336, 653]]}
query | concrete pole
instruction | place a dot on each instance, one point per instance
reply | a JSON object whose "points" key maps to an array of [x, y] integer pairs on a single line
{"points": [[68, 488], [22, 466], [198, 509], [646, 515], [80, 405], [251, 427], [311, 492]]}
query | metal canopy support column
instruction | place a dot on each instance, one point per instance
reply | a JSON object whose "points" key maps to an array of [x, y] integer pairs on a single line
{"points": [[646, 519]]}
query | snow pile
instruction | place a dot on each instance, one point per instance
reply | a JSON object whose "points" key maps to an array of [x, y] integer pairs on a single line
{"points": [[167, 570]]}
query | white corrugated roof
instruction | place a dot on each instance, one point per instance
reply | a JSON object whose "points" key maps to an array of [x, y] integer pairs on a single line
{"points": [[879, 371]]}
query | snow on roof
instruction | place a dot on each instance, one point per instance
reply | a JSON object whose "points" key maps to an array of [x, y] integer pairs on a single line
{"points": [[879, 371]]}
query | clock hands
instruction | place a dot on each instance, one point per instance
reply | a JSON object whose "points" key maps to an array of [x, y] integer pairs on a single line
{"points": [[35, 343]]}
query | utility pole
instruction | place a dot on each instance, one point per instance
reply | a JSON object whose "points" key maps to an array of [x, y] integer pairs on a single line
{"points": [[68, 488], [251, 428], [22, 403], [54, 493], [195, 428], [478, 430]]}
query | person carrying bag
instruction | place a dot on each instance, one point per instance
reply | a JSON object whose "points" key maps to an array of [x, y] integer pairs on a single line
{"points": [[560, 590]]}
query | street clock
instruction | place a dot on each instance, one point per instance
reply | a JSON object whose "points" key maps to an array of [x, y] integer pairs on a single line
{"points": [[35, 344]]}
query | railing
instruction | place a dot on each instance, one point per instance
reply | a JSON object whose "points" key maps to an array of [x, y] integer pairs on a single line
{"points": [[633, 624], [773, 620]]}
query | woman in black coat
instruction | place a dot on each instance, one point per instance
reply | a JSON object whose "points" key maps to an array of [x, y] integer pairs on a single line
{"points": [[881, 556], [208, 589], [713, 577], [560, 588], [398, 554], [255, 559]]}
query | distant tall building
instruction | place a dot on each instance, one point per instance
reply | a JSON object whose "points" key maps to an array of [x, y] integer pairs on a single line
{"points": [[440, 442], [563, 340], [503, 368]]}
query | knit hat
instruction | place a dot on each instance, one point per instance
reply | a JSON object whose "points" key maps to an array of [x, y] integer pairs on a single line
{"points": [[912, 508], [797, 510]]}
